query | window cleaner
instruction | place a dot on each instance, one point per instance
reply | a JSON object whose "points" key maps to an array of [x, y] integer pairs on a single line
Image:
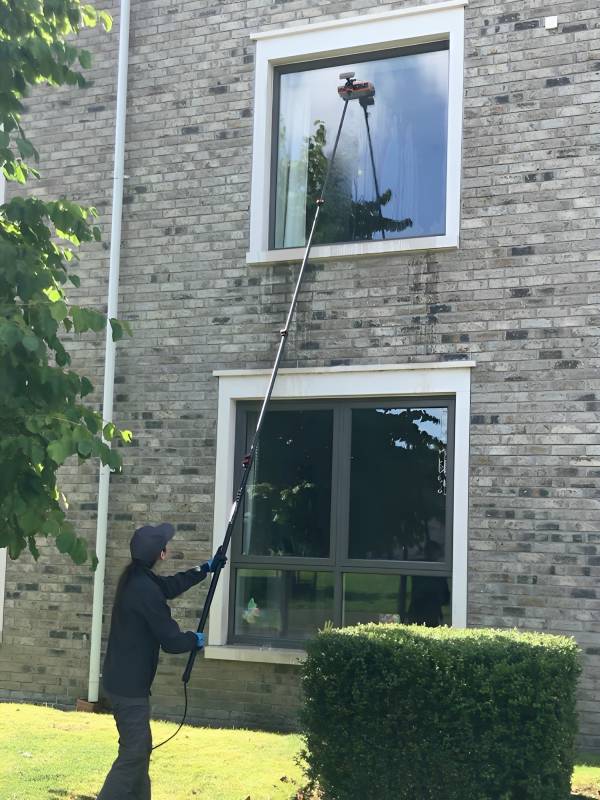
{"points": [[352, 89]]}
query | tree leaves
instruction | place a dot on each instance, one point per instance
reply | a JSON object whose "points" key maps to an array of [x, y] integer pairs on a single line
{"points": [[33, 50], [43, 421], [119, 328], [85, 319], [85, 59], [59, 310]]}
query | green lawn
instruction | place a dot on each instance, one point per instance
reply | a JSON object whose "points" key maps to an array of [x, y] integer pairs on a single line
{"points": [[47, 754]]}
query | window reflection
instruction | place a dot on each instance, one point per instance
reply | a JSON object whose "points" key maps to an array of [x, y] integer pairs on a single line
{"points": [[274, 604], [408, 128], [410, 599], [398, 484], [288, 498]]}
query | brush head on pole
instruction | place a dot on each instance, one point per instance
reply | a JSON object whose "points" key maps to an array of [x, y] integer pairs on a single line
{"points": [[356, 90]]}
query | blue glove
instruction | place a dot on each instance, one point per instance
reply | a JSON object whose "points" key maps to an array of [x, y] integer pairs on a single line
{"points": [[200, 638], [212, 564]]}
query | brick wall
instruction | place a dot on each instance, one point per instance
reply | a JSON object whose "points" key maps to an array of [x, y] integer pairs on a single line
{"points": [[521, 297]]}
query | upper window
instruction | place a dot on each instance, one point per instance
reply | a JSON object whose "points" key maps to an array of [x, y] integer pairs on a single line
{"points": [[395, 183], [389, 177]]}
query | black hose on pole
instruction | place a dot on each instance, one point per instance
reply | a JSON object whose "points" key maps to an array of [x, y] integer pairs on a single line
{"points": [[368, 101]]}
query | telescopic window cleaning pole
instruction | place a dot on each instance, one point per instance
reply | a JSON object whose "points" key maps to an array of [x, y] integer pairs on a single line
{"points": [[351, 90]]}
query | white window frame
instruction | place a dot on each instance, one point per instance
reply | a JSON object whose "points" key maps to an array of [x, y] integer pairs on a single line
{"points": [[403, 380], [352, 36]]}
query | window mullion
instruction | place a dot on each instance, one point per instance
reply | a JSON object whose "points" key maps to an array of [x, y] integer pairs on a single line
{"points": [[341, 459]]}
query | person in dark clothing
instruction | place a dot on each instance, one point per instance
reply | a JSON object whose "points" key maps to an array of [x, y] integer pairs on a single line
{"points": [[141, 624]]}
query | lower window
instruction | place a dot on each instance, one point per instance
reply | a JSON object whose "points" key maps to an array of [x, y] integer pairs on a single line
{"points": [[347, 518]]}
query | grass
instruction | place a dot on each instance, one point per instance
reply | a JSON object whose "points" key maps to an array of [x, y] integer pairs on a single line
{"points": [[47, 754], [586, 778]]}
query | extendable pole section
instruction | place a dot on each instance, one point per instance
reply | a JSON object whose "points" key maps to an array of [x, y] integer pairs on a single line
{"points": [[249, 458]]}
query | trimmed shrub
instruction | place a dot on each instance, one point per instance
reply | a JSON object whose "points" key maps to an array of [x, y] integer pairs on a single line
{"points": [[398, 712]]}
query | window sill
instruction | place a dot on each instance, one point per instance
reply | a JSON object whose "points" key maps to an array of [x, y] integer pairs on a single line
{"points": [[262, 655], [354, 249]]}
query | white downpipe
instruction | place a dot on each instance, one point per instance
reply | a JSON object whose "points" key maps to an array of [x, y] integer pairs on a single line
{"points": [[3, 549], [109, 361]]}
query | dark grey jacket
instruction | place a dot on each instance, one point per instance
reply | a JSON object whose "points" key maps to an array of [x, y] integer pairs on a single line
{"points": [[141, 624]]}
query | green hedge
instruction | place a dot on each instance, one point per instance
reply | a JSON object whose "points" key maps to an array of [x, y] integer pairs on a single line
{"points": [[398, 712]]}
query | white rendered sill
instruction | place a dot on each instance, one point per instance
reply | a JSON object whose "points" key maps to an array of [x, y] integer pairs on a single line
{"points": [[262, 655], [358, 368], [354, 249]]}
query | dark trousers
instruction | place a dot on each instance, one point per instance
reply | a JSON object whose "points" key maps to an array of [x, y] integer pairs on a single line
{"points": [[128, 778]]}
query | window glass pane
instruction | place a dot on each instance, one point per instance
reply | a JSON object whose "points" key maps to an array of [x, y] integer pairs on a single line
{"points": [[419, 599], [407, 127], [398, 484], [288, 499], [275, 604]]}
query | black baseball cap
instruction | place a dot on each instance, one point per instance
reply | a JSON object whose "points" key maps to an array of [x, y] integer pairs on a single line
{"points": [[149, 541]]}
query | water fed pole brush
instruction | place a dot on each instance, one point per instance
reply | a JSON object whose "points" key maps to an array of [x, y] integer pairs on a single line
{"points": [[352, 89]]}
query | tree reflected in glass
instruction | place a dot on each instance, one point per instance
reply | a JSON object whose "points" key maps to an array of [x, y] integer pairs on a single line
{"points": [[398, 484]]}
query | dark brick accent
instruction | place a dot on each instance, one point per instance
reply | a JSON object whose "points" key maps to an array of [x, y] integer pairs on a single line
{"points": [[589, 594], [558, 81], [526, 250], [527, 25], [516, 334]]}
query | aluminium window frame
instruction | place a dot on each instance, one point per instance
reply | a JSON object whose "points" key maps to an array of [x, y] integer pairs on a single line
{"points": [[351, 37], [339, 562]]}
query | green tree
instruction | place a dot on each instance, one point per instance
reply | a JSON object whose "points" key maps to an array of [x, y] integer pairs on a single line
{"points": [[342, 219], [43, 416]]}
